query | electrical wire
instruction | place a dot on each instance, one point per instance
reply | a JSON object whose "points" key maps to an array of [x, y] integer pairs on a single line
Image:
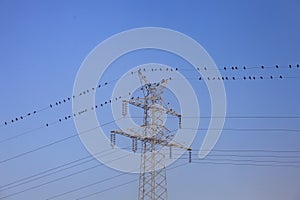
{"points": [[123, 184], [61, 178], [55, 170], [87, 91], [246, 164], [55, 142]]}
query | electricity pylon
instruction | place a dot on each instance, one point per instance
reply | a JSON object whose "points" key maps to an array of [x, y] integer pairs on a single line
{"points": [[154, 136]]}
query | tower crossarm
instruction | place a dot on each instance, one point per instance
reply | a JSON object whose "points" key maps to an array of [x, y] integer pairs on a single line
{"points": [[138, 102], [172, 112], [143, 138]]}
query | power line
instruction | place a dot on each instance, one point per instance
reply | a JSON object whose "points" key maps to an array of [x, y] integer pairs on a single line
{"points": [[60, 178], [52, 171], [123, 184], [89, 90], [245, 164], [287, 164], [45, 173], [200, 117], [55, 142]]}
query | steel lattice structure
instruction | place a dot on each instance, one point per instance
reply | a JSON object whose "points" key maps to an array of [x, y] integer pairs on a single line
{"points": [[153, 137]]}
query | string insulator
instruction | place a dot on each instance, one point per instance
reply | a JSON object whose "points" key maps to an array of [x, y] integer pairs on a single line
{"points": [[179, 122], [190, 155], [124, 108], [113, 139], [134, 145]]}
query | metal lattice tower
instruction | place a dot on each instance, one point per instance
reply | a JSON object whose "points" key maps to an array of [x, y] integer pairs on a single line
{"points": [[153, 137]]}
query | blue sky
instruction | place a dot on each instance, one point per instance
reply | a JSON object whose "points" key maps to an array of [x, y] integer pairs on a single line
{"points": [[44, 43]]}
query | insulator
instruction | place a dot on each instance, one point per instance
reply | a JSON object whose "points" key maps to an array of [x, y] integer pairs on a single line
{"points": [[134, 145], [179, 122], [113, 139], [170, 153], [190, 156], [124, 108]]}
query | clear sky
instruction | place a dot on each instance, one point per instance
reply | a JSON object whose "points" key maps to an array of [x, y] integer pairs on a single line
{"points": [[43, 43]]}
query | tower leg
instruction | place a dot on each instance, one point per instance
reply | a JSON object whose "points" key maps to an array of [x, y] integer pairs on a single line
{"points": [[153, 181]]}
